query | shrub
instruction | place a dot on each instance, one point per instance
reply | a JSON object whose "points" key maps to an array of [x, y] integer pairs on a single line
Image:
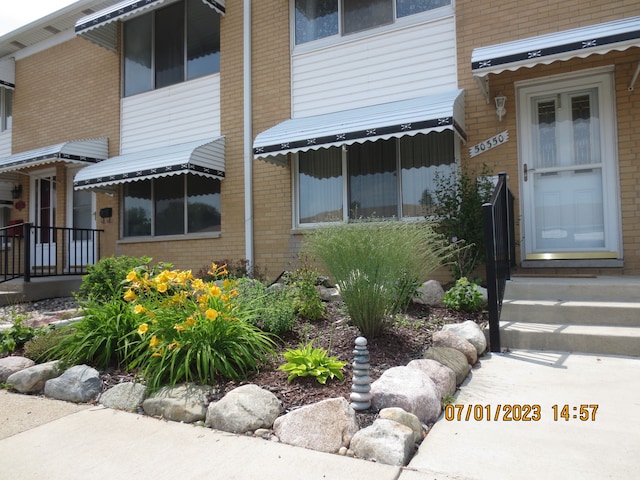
{"points": [[36, 349], [464, 296], [458, 210], [303, 281], [306, 361], [191, 330], [103, 280], [378, 265], [274, 308], [16, 335]]}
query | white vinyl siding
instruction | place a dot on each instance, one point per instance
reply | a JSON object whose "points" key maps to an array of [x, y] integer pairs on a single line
{"points": [[392, 65], [5, 143], [180, 113]]}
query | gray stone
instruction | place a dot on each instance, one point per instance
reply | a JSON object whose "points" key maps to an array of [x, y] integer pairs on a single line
{"points": [[124, 396], [12, 364], [79, 384], [471, 332], [182, 403], [244, 409], [409, 389], [429, 293], [451, 358], [328, 294], [32, 379], [405, 418], [324, 426], [442, 376], [385, 441], [448, 338]]}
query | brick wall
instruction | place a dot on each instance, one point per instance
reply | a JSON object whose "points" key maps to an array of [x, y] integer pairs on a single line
{"points": [[491, 22]]}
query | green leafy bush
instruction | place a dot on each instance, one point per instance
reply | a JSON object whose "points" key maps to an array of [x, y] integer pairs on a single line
{"points": [[458, 210], [103, 280], [378, 265], [306, 361], [464, 296], [190, 330], [16, 335], [274, 309], [303, 281]]}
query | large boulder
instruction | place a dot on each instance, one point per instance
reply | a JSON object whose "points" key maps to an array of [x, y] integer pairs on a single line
{"points": [[33, 379], [405, 418], [384, 441], [448, 338], [325, 426], [182, 403], [471, 332], [126, 396], [79, 384], [12, 364], [429, 293], [443, 377], [451, 358], [409, 389], [244, 409]]}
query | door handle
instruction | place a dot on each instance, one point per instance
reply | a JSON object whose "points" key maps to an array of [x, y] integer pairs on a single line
{"points": [[526, 171]]}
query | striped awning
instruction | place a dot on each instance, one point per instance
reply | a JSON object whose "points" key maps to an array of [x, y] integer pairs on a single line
{"points": [[82, 152], [434, 113], [203, 157], [565, 45], [101, 27], [8, 73]]}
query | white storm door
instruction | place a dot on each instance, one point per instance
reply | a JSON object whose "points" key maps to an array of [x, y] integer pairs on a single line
{"points": [[43, 188], [568, 164], [81, 215]]}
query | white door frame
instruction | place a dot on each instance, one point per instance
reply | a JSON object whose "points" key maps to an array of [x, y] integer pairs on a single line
{"points": [[42, 256]]}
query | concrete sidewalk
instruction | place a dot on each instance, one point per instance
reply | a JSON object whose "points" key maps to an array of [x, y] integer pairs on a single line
{"points": [[93, 442]]}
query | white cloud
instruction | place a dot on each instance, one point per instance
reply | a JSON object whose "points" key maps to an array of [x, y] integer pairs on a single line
{"points": [[15, 14]]}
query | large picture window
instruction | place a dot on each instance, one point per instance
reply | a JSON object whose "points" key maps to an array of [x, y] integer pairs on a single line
{"points": [[384, 179], [170, 45], [317, 19], [171, 206]]}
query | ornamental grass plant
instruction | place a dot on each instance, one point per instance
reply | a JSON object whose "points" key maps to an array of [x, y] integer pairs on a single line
{"points": [[378, 265]]}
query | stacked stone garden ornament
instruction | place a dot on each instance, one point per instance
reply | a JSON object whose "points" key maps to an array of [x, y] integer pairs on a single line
{"points": [[361, 389]]}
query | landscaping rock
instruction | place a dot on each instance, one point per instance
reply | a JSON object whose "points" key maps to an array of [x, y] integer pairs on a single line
{"points": [[33, 379], [324, 426], [451, 358], [443, 377], [13, 364], [448, 338], [182, 403], [79, 384], [471, 332], [328, 294], [385, 441], [409, 389], [244, 409], [126, 396], [405, 418], [430, 293]]}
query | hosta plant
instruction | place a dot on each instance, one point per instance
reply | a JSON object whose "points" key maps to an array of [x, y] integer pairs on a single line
{"points": [[307, 361]]}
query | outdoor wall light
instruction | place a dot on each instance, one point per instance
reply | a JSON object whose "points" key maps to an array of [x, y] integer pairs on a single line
{"points": [[16, 192], [500, 110]]}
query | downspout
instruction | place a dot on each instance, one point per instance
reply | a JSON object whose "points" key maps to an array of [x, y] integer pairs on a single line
{"points": [[248, 138]]}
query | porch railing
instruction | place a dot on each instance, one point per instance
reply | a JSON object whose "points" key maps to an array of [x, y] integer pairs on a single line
{"points": [[500, 247], [30, 251]]}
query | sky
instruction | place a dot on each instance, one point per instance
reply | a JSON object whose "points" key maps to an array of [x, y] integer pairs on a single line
{"points": [[16, 13]]}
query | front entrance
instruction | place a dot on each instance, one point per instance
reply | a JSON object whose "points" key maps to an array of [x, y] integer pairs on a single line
{"points": [[568, 165], [44, 198]]}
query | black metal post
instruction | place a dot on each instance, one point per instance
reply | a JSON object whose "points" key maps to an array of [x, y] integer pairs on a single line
{"points": [[27, 251]]}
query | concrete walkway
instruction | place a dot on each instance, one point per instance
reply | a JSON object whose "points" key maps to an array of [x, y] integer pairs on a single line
{"points": [[78, 442]]}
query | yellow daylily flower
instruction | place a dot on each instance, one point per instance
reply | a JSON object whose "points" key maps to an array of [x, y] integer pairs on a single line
{"points": [[154, 342], [142, 329], [179, 328], [129, 295], [215, 291], [212, 314], [162, 287], [190, 321], [132, 276], [138, 309]]}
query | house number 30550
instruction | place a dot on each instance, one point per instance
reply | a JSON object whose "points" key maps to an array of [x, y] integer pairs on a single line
{"points": [[489, 143]]}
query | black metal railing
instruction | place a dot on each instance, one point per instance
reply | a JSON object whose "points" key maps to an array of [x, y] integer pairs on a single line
{"points": [[499, 226], [34, 251]]}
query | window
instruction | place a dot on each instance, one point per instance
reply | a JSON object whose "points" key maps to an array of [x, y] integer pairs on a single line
{"points": [[385, 179], [316, 19], [171, 206], [6, 108], [170, 45]]}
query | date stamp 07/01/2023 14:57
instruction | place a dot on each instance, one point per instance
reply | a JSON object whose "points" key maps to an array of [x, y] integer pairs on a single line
{"points": [[518, 412]]}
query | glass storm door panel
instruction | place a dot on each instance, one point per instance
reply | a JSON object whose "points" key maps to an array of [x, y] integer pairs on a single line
{"points": [[45, 220], [81, 251]]}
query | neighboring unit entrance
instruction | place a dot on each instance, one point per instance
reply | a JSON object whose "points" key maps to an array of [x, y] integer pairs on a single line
{"points": [[568, 165]]}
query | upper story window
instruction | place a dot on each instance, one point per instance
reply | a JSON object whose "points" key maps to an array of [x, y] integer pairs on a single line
{"points": [[6, 109], [316, 19], [170, 45]]}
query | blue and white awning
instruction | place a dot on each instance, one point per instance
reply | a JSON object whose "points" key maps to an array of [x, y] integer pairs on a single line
{"points": [[202, 157], [101, 27], [83, 152], [434, 113], [565, 45]]}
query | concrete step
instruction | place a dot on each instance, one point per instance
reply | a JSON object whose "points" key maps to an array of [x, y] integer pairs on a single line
{"points": [[605, 288], [572, 312]]}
